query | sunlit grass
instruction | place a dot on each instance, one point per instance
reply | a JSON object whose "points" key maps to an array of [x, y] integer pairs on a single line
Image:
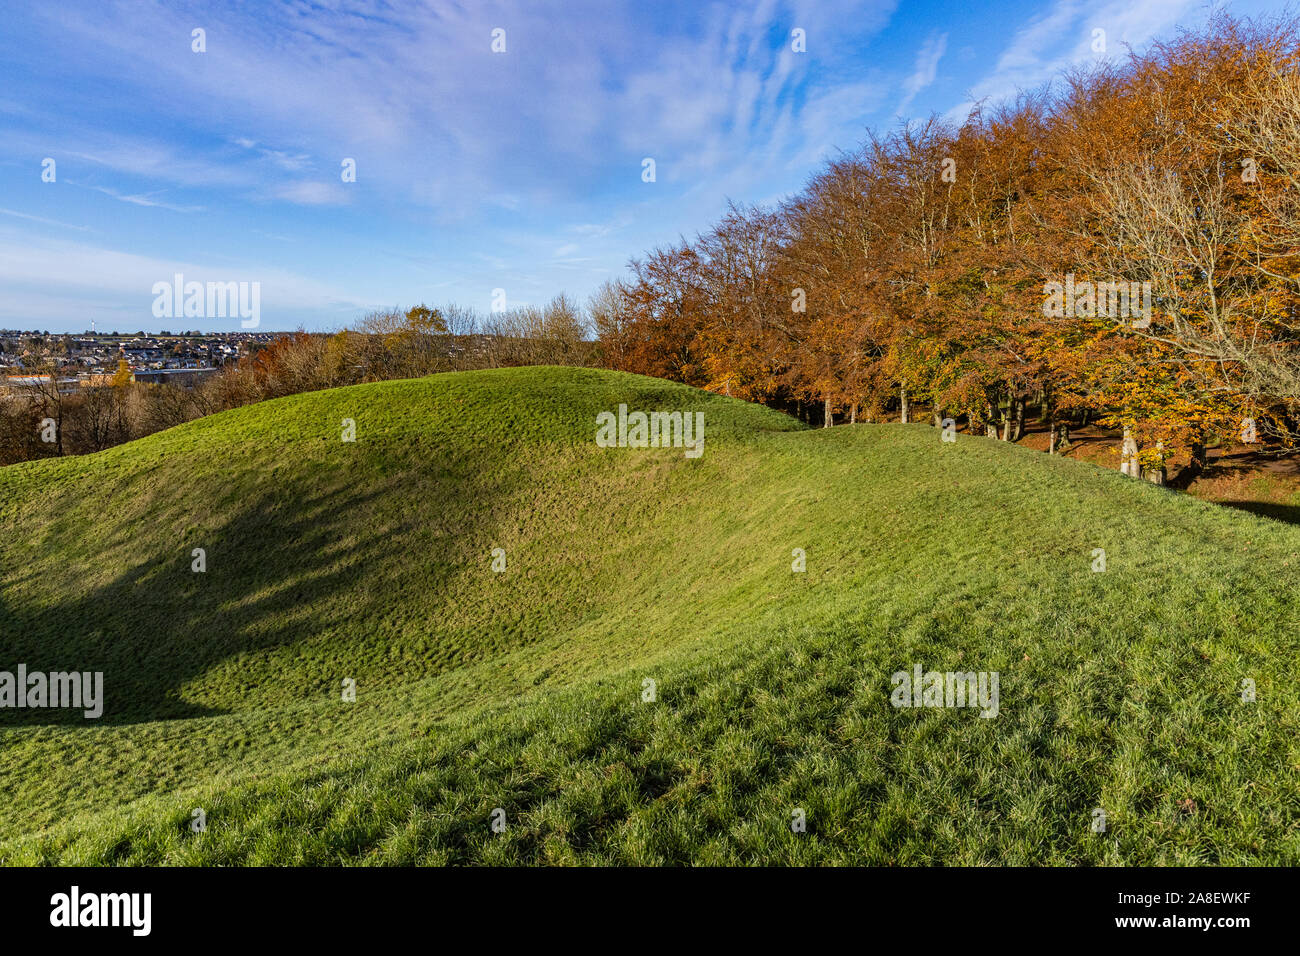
{"points": [[523, 691]]}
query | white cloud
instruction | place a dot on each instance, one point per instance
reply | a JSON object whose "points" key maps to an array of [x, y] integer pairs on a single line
{"points": [[42, 220], [1062, 37], [143, 200], [62, 275], [435, 118], [927, 68], [311, 193], [291, 162]]}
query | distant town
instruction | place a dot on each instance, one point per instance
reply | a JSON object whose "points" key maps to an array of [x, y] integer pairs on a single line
{"points": [[92, 358]]}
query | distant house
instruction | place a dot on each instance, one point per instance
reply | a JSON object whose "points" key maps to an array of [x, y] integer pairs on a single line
{"points": [[12, 385]]}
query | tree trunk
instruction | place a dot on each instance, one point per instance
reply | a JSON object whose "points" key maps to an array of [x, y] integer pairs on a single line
{"points": [[1128, 456], [1156, 474], [903, 405], [828, 420], [853, 413], [1020, 419], [1051, 438]]}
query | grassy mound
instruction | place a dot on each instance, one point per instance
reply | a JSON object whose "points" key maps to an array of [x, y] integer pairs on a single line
{"points": [[524, 691]]}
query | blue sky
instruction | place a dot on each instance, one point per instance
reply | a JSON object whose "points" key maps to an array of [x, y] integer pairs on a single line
{"points": [[475, 170]]}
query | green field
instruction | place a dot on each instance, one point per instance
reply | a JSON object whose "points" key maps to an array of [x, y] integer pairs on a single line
{"points": [[523, 690]]}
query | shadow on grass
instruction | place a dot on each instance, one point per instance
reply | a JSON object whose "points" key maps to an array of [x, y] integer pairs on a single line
{"points": [[284, 567], [1265, 509]]}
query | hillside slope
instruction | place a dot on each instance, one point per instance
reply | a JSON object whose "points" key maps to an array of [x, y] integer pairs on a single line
{"points": [[523, 690]]}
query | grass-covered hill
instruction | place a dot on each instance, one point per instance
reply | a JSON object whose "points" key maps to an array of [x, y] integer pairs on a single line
{"points": [[524, 691]]}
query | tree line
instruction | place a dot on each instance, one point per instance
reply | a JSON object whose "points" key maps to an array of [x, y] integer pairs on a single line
{"points": [[1122, 247]]}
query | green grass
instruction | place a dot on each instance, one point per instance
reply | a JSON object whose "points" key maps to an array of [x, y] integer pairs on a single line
{"points": [[523, 690]]}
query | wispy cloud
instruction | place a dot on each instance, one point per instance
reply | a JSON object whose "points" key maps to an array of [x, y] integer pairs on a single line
{"points": [[1063, 37], [927, 68], [63, 272], [311, 193], [144, 200], [444, 132], [42, 220]]}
